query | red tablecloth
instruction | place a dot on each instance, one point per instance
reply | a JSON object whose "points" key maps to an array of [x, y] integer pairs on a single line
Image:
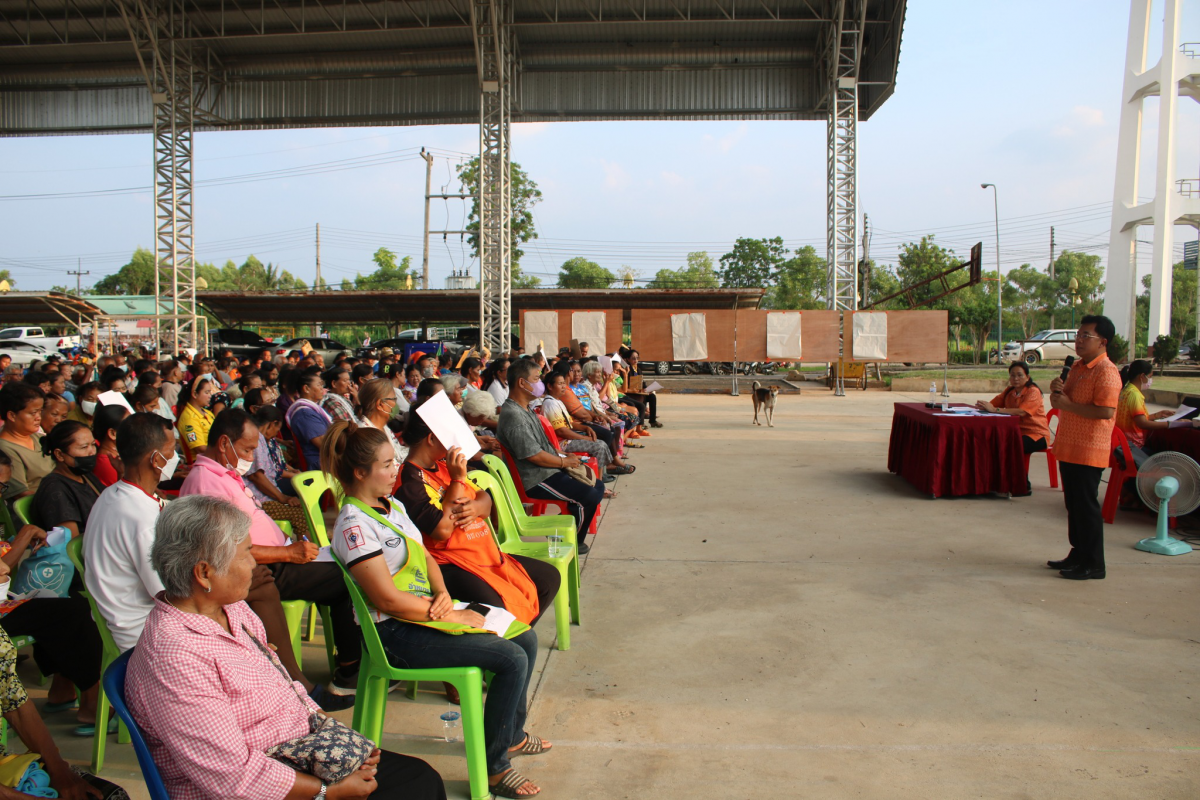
{"points": [[956, 455]]}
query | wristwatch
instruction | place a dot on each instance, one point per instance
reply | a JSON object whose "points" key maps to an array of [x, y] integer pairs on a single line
{"points": [[321, 794]]}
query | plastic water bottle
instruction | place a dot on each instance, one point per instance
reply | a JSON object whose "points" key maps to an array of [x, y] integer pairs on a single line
{"points": [[452, 725], [933, 394], [557, 547]]}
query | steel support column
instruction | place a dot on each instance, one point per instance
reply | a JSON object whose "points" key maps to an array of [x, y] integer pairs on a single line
{"points": [[489, 20], [842, 51]]}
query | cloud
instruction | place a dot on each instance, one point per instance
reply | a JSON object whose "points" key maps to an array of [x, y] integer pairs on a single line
{"points": [[672, 178], [615, 176], [727, 142]]}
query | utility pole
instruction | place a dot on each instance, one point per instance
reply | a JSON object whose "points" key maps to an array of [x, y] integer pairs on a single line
{"points": [[1051, 271], [425, 253], [79, 273], [317, 283], [865, 272]]}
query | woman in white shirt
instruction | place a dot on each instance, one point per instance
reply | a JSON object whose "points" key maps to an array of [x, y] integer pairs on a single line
{"points": [[384, 552], [495, 380], [375, 403]]}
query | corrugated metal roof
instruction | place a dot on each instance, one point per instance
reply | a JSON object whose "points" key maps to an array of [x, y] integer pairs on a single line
{"points": [[450, 305]]}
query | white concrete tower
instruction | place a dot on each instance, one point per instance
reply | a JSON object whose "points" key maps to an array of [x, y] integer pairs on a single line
{"points": [[1177, 73]]}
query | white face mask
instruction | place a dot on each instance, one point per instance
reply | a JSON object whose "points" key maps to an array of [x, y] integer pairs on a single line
{"points": [[1149, 381], [243, 466], [89, 407], [168, 469]]}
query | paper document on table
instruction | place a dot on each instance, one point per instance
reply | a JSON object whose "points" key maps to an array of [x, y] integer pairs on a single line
{"points": [[497, 620], [448, 425], [323, 555], [654, 387], [1181, 413]]}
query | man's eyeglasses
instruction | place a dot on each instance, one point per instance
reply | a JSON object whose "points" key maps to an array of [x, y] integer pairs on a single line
{"points": [[1085, 335]]}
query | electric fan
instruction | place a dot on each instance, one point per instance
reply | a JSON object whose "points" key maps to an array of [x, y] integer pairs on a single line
{"points": [[1172, 480]]}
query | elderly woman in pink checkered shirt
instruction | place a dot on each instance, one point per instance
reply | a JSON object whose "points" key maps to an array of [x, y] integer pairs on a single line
{"points": [[208, 699]]}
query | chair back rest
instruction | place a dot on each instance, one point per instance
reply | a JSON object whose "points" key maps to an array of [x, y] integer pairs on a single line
{"points": [[549, 429], [300, 459], [500, 472], [1052, 415], [114, 689], [508, 525], [310, 487], [24, 508], [1120, 442], [75, 554], [365, 619]]}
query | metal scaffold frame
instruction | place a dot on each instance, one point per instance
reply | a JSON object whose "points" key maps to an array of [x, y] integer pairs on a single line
{"points": [[842, 51], [492, 52]]}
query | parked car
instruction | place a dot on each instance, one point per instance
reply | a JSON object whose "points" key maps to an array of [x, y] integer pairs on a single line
{"points": [[24, 353], [37, 336], [241, 342], [407, 336], [1049, 345], [320, 344], [1188, 351]]}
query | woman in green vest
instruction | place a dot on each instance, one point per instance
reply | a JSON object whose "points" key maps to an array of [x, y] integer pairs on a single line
{"points": [[416, 618]]}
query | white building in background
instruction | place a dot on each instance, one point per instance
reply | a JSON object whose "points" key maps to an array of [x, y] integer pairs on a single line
{"points": [[1174, 202]]}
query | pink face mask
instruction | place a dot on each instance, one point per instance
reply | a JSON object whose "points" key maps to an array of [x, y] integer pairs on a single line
{"points": [[539, 388]]}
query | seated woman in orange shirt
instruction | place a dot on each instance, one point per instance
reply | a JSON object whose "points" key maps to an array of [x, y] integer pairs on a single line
{"points": [[1132, 417], [1023, 399]]}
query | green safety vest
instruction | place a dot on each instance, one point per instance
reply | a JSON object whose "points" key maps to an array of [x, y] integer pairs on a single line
{"points": [[413, 579]]}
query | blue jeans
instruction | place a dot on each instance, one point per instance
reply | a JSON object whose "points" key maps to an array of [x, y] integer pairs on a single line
{"points": [[411, 646]]}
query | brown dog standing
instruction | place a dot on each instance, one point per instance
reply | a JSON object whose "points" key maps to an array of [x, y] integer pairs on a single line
{"points": [[764, 399]]}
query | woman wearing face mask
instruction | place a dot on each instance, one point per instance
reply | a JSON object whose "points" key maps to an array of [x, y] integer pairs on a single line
{"points": [[1132, 417], [109, 468], [85, 409], [65, 497]]}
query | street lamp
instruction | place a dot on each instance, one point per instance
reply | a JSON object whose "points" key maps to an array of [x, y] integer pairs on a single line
{"points": [[999, 280], [1073, 286]]}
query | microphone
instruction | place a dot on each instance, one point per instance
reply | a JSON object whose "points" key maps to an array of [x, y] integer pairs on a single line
{"points": [[1066, 368]]}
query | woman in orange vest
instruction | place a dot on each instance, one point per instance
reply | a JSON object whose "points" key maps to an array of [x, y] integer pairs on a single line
{"points": [[452, 515]]}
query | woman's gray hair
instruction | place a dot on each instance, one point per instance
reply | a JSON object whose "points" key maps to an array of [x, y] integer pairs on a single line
{"points": [[452, 382], [591, 368], [480, 404], [193, 529]]}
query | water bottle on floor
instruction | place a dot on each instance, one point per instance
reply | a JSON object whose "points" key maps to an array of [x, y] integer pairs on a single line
{"points": [[452, 725]]}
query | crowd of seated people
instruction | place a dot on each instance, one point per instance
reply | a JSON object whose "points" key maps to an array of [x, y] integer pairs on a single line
{"points": [[177, 476]]}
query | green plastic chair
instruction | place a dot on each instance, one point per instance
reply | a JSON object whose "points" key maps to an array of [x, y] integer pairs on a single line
{"points": [[566, 601], [24, 508], [544, 525], [375, 675], [310, 487], [294, 611], [109, 654]]}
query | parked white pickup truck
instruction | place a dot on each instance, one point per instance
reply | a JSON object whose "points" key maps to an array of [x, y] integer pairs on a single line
{"points": [[38, 336]]}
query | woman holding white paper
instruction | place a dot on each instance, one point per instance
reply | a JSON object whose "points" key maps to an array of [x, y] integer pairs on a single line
{"points": [[415, 616]]}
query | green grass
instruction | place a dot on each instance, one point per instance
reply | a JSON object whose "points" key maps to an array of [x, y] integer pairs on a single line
{"points": [[1040, 376]]}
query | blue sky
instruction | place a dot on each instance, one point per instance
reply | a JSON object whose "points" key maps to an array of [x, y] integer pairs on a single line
{"points": [[1022, 94]]}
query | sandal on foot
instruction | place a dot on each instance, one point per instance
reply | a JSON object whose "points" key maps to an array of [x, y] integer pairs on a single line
{"points": [[532, 746], [628, 469], [635, 446], [510, 783], [90, 728], [609, 494], [54, 708], [656, 424]]}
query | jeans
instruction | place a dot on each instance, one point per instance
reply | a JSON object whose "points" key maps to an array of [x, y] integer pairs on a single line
{"points": [[1085, 522], [582, 500], [410, 646]]}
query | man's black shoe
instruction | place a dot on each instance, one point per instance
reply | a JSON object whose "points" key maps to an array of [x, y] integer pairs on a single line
{"points": [[1065, 563], [582, 548], [1082, 573]]}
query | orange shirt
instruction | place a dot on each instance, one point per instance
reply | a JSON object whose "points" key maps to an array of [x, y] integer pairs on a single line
{"points": [[1088, 441], [1030, 400]]}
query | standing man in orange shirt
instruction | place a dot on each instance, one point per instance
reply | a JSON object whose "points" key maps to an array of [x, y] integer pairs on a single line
{"points": [[1087, 402]]}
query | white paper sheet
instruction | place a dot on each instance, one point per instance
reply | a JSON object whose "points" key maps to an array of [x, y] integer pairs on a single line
{"points": [[540, 326], [689, 337], [1181, 413], [323, 555], [447, 424], [653, 387], [783, 335], [870, 336], [605, 364], [114, 399], [590, 327], [497, 620]]}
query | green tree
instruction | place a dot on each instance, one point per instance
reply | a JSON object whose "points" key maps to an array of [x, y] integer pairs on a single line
{"points": [[752, 263], [921, 260], [5, 275], [579, 273], [1024, 293], [975, 309], [136, 277], [801, 282], [522, 281], [882, 283], [1086, 270], [390, 273], [698, 274], [525, 195]]}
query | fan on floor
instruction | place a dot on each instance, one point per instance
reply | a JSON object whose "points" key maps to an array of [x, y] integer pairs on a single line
{"points": [[1172, 481]]}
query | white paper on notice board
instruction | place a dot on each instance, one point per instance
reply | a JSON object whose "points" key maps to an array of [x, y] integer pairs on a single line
{"points": [[448, 425], [689, 337], [540, 326], [590, 326], [783, 335], [870, 336]]}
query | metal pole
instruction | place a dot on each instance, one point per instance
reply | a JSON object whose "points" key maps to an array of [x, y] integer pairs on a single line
{"points": [[999, 280], [317, 284], [1052, 272], [425, 253], [78, 273]]}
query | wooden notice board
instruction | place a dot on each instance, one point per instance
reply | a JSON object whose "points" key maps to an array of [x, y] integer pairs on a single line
{"points": [[613, 328], [651, 328], [912, 336]]}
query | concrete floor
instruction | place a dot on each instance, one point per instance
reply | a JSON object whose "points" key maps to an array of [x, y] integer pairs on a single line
{"points": [[768, 613]]}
